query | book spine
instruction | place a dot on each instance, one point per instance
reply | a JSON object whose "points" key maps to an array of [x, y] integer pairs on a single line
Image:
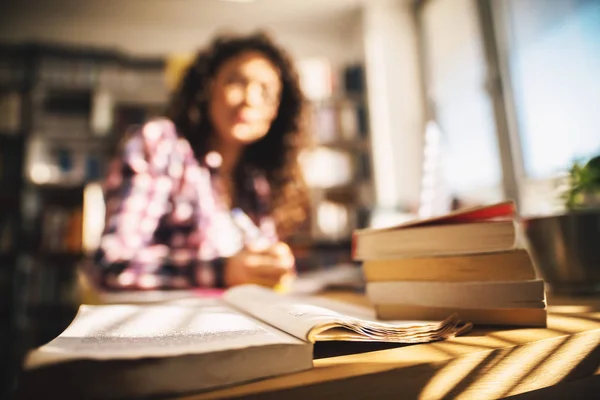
{"points": [[458, 294]]}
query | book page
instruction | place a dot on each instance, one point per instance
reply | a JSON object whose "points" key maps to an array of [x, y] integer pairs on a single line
{"points": [[307, 319], [136, 331], [298, 319]]}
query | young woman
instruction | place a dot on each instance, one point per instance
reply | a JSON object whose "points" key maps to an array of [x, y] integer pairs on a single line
{"points": [[203, 197]]}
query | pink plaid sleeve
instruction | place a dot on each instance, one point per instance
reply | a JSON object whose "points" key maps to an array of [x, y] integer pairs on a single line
{"points": [[137, 193]]}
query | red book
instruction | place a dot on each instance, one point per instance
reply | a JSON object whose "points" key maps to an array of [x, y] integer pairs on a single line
{"points": [[499, 215], [496, 211]]}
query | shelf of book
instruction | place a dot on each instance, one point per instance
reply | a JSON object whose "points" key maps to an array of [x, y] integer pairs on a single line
{"points": [[337, 167], [61, 112]]}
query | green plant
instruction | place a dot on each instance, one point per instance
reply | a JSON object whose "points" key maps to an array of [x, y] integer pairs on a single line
{"points": [[584, 184]]}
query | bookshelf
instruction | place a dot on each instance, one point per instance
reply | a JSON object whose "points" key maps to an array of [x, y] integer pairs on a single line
{"points": [[338, 166], [66, 108], [62, 110]]}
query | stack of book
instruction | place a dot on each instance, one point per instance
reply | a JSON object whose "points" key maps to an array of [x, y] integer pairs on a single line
{"points": [[471, 262]]}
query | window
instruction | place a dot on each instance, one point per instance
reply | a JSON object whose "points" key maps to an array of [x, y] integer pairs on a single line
{"points": [[554, 66], [456, 83]]}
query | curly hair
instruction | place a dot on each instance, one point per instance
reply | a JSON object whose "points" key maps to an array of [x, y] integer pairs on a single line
{"points": [[276, 154]]}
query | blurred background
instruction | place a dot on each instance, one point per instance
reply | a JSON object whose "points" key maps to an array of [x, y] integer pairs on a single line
{"points": [[417, 107]]}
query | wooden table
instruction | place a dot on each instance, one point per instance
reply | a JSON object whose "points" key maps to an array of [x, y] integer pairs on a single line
{"points": [[485, 364]]}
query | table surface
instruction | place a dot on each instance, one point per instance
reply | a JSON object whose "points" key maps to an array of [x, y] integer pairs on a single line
{"points": [[486, 363]]}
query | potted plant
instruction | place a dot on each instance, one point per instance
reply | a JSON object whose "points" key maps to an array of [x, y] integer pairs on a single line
{"points": [[583, 190], [566, 246]]}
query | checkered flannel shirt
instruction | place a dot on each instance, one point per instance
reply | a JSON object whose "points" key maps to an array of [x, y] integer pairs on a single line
{"points": [[166, 225]]}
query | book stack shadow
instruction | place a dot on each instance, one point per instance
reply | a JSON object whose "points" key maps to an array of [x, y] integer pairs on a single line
{"points": [[471, 262]]}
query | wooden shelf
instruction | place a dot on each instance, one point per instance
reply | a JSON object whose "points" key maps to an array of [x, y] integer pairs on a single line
{"points": [[59, 256], [14, 87], [308, 241], [346, 144], [338, 100], [60, 189], [8, 198]]}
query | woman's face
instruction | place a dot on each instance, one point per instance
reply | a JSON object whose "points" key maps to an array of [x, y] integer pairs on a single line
{"points": [[245, 98]]}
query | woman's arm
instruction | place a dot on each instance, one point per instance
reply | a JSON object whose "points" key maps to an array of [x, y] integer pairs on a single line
{"points": [[137, 190]]}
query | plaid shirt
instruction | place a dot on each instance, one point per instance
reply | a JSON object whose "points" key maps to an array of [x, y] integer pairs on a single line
{"points": [[167, 226]]}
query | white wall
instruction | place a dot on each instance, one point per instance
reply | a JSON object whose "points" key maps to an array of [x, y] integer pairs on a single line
{"points": [[395, 102], [142, 27]]}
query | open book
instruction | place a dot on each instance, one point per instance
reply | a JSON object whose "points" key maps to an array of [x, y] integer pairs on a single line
{"points": [[192, 345]]}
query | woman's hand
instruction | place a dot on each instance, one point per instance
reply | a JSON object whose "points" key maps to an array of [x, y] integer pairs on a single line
{"points": [[263, 266]]}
